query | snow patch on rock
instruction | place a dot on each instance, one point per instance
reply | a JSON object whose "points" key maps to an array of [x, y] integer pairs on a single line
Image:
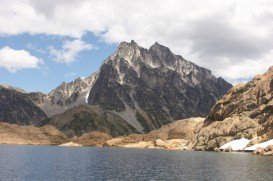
{"points": [[259, 145], [86, 97], [236, 145]]}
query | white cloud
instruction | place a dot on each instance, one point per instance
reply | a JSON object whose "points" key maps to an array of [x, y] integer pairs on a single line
{"points": [[227, 36], [14, 60], [69, 51]]}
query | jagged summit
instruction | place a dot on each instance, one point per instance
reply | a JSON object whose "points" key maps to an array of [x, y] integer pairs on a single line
{"points": [[68, 95], [158, 48]]}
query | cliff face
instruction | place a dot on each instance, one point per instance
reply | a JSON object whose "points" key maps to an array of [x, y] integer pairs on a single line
{"points": [[17, 106], [245, 111]]}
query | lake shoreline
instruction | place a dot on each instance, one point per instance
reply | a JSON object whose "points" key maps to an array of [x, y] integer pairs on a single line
{"points": [[126, 148]]}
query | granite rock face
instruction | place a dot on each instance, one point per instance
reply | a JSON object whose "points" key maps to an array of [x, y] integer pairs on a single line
{"points": [[246, 111]]}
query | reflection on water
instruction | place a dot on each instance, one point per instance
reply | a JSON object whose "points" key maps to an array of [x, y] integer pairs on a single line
{"points": [[61, 163]]}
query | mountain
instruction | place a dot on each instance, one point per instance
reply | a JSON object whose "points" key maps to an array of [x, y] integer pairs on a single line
{"points": [[153, 87], [17, 106], [246, 111], [147, 88], [136, 90]]}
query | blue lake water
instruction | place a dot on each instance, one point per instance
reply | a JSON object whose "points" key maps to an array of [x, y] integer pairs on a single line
{"points": [[88, 163]]}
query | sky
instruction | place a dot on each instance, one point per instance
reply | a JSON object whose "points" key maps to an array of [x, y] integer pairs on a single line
{"points": [[43, 43]]}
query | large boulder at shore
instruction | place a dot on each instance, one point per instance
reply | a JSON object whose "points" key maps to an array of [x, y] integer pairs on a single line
{"points": [[246, 111]]}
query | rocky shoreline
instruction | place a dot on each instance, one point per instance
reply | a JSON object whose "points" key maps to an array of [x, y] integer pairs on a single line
{"points": [[179, 135]]}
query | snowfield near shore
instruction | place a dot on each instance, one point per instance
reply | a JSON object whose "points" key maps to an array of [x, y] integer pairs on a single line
{"points": [[236, 145], [260, 145], [241, 145]]}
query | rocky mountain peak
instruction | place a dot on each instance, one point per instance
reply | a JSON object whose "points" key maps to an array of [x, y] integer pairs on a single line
{"points": [[127, 51], [159, 49], [68, 95]]}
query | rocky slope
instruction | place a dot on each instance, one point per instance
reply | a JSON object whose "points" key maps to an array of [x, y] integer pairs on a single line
{"points": [[86, 118], [30, 135], [17, 106], [176, 135], [246, 111]]}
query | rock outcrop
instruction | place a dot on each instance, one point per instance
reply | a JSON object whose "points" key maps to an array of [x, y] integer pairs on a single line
{"points": [[174, 136], [246, 111]]}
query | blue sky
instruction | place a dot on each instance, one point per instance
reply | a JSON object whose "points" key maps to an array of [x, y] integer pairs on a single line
{"points": [[43, 43], [52, 73]]}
